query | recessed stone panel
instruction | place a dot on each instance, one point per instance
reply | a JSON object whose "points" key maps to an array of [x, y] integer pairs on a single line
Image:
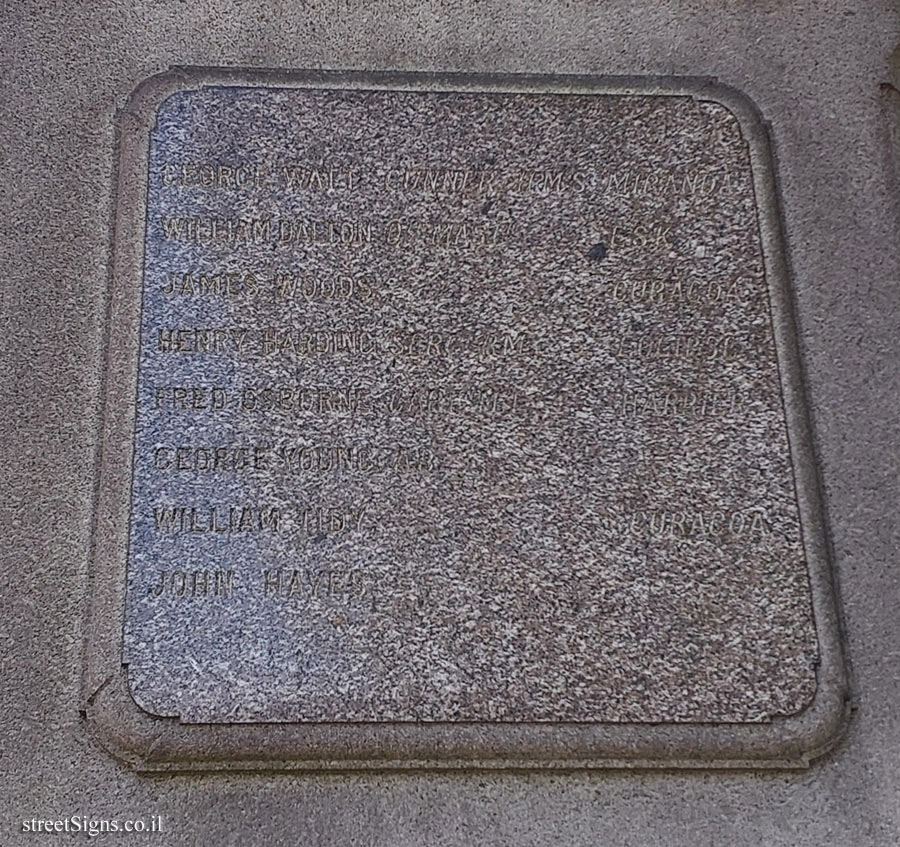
{"points": [[464, 405]]}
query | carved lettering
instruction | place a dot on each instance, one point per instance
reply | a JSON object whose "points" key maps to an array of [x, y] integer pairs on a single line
{"points": [[194, 584], [305, 584], [680, 404], [174, 520]]}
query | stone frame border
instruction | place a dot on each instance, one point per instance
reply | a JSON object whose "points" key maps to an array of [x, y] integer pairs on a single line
{"points": [[154, 744]]}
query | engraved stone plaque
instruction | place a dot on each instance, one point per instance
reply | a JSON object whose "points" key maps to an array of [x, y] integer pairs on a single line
{"points": [[466, 422]]}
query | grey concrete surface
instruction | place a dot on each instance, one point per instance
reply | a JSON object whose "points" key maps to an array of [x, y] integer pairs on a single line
{"points": [[818, 71]]}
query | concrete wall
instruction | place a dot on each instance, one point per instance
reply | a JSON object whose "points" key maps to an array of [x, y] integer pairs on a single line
{"points": [[818, 71]]}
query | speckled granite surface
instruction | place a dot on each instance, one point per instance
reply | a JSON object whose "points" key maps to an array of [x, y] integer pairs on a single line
{"points": [[459, 407]]}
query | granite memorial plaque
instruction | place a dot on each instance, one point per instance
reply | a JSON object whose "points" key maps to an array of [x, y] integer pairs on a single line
{"points": [[458, 419]]}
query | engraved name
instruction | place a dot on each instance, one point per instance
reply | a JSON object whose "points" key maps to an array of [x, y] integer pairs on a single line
{"points": [[349, 400], [355, 399], [341, 585], [235, 176], [698, 347], [219, 175], [290, 231], [679, 404], [216, 519], [300, 459], [693, 291], [693, 524], [329, 520], [301, 341], [190, 397], [190, 584], [280, 285], [353, 458], [626, 181], [222, 284]]}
